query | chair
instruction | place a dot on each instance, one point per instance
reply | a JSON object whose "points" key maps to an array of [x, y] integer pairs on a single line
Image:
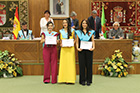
{"points": [[129, 35], [1, 34], [8, 34]]}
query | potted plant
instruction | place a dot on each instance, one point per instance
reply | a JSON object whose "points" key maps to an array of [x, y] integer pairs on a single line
{"points": [[115, 67], [9, 65]]}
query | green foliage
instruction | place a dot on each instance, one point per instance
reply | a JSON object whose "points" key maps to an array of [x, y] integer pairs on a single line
{"points": [[106, 60], [9, 65], [19, 70], [114, 67]]}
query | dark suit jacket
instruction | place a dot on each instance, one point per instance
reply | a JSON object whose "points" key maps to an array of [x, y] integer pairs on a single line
{"points": [[98, 25], [75, 22], [58, 8]]}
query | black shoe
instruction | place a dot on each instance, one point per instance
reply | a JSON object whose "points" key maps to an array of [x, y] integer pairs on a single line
{"points": [[88, 84], [46, 82]]}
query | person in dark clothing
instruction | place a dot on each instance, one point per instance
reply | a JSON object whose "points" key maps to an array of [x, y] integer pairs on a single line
{"points": [[58, 7], [95, 24], [73, 21]]}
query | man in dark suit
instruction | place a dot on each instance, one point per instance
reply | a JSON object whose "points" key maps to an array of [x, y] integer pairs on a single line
{"points": [[58, 7], [73, 21], [95, 23]]}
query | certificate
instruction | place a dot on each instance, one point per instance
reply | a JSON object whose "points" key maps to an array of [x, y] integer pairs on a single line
{"points": [[67, 42], [85, 45], [6, 38], [50, 40]]}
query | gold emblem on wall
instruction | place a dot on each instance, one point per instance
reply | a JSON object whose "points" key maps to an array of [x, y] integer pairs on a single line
{"points": [[118, 15], [2, 14]]}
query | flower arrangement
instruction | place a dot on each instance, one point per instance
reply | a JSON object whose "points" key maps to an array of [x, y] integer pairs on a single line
{"points": [[114, 67], [9, 65]]}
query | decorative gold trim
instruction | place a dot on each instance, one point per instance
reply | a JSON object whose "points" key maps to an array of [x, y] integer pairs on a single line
{"points": [[99, 9], [27, 11], [91, 1], [136, 13], [19, 12], [100, 1], [9, 0]]}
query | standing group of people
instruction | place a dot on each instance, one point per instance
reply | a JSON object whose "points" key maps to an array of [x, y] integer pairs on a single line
{"points": [[94, 23], [89, 29], [67, 68]]}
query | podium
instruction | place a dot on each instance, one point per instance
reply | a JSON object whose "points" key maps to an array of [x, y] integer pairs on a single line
{"points": [[31, 56]]}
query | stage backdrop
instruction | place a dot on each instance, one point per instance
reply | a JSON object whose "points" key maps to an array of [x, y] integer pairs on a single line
{"points": [[7, 11], [126, 11], [129, 12]]}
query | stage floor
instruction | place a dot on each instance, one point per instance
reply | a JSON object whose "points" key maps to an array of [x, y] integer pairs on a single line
{"points": [[101, 84]]}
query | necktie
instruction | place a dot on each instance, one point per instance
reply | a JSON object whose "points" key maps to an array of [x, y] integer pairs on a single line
{"points": [[94, 24], [72, 24]]}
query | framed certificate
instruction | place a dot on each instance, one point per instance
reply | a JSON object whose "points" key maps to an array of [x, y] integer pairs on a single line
{"points": [[85, 45], [50, 40], [67, 42]]}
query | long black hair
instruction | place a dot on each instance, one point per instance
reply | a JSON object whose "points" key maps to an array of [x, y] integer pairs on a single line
{"points": [[88, 28], [68, 28]]}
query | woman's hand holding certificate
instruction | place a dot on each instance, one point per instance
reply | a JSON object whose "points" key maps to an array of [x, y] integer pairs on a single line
{"points": [[79, 49], [67, 42], [92, 49], [86, 45], [51, 40]]}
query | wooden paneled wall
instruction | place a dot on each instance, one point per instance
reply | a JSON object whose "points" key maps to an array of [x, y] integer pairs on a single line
{"points": [[37, 8], [39, 69]]}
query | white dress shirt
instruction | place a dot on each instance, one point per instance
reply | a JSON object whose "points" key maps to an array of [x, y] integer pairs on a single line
{"points": [[25, 33], [43, 23]]}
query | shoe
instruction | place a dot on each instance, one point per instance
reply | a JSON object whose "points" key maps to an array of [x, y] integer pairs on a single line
{"points": [[83, 83], [46, 82], [88, 84]]}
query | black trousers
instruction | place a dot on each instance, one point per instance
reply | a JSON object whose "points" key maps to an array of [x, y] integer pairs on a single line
{"points": [[85, 65]]}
